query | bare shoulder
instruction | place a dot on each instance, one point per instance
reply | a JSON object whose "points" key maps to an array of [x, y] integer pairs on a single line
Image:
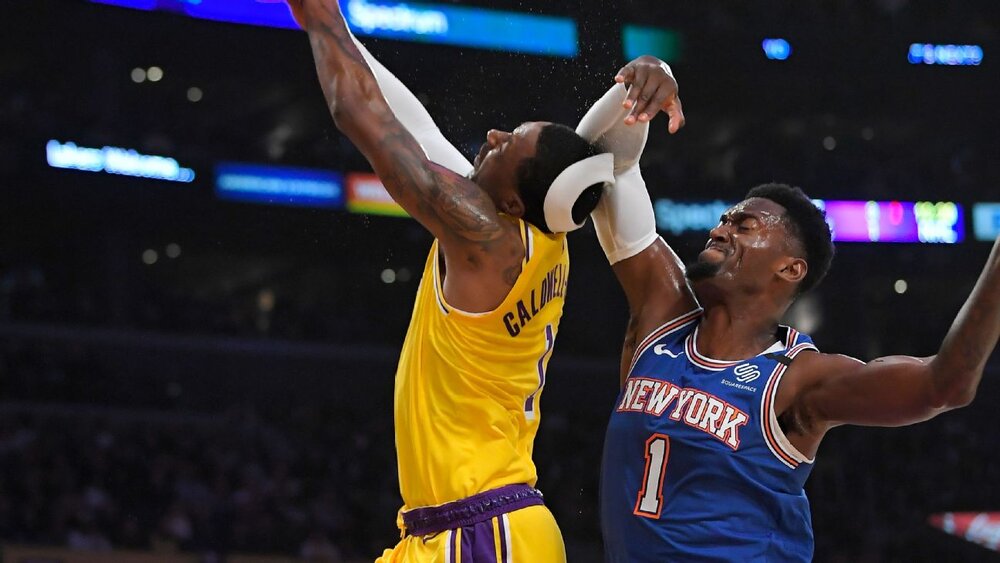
{"points": [[479, 271], [818, 367], [812, 367], [473, 234], [810, 371], [816, 370], [812, 361]]}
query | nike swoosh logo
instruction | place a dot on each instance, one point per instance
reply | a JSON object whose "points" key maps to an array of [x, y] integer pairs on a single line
{"points": [[661, 349]]}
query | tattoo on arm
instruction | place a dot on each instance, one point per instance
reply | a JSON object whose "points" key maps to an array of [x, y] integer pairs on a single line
{"points": [[457, 204], [445, 203]]}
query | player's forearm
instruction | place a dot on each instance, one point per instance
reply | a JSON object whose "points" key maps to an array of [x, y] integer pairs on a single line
{"points": [[415, 118], [362, 114], [352, 93], [958, 367], [624, 218]]}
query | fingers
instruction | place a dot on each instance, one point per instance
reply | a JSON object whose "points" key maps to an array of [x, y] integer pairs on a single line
{"points": [[676, 114], [625, 75], [643, 109], [652, 98], [635, 90], [649, 92]]}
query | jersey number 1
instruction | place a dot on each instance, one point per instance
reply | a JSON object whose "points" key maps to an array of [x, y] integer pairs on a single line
{"points": [[650, 501], [530, 404]]}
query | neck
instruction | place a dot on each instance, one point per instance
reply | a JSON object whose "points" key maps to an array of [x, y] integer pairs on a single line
{"points": [[737, 327]]}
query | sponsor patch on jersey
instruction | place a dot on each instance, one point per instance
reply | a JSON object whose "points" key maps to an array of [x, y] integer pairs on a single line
{"points": [[735, 385], [745, 373]]}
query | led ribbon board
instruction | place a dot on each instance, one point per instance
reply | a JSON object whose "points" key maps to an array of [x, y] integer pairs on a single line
{"points": [[895, 221], [115, 160], [986, 221], [679, 217], [279, 185], [982, 528], [640, 40], [367, 195], [850, 221], [428, 23]]}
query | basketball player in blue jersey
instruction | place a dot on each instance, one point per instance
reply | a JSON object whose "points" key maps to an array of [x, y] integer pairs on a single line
{"points": [[722, 409]]}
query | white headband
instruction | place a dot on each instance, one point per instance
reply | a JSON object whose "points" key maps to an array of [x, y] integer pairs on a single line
{"points": [[568, 186]]}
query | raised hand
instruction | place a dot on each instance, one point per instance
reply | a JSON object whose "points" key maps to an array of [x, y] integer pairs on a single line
{"points": [[652, 88]]}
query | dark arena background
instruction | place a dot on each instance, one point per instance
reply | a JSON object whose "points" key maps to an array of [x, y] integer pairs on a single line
{"points": [[204, 291]]}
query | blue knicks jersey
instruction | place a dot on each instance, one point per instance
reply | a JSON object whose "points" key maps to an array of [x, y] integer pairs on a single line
{"points": [[696, 467]]}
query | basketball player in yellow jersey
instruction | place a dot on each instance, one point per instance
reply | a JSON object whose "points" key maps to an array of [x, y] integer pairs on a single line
{"points": [[487, 311]]}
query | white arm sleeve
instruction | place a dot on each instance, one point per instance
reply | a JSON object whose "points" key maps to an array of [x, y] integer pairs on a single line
{"points": [[624, 218], [415, 118]]}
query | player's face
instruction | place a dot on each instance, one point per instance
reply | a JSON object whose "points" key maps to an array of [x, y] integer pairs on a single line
{"points": [[496, 165], [748, 247]]}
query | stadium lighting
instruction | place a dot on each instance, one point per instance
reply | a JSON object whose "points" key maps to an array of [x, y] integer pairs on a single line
{"points": [[776, 49], [949, 55]]}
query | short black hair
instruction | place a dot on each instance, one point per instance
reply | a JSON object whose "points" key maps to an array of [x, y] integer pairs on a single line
{"points": [[558, 147], [806, 222]]}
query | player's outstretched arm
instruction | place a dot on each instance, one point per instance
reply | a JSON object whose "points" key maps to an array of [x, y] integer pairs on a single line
{"points": [[450, 206], [415, 118], [651, 275], [648, 270], [901, 390]]}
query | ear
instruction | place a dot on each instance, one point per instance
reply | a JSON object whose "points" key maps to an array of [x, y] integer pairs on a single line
{"points": [[511, 204], [793, 270]]}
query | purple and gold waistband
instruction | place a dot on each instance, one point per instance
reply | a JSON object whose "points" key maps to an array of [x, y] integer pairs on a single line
{"points": [[470, 510]]}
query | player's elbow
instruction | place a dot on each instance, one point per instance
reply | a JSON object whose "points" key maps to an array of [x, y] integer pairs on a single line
{"points": [[343, 111], [963, 398], [346, 98], [357, 115], [348, 117], [954, 397], [953, 386]]}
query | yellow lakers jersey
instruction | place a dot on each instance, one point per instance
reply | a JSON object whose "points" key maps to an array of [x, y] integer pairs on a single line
{"points": [[468, 384]]}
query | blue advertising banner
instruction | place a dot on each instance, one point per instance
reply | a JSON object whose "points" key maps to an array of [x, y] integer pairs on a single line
{"points": [[279, 185], [427, 23]]}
